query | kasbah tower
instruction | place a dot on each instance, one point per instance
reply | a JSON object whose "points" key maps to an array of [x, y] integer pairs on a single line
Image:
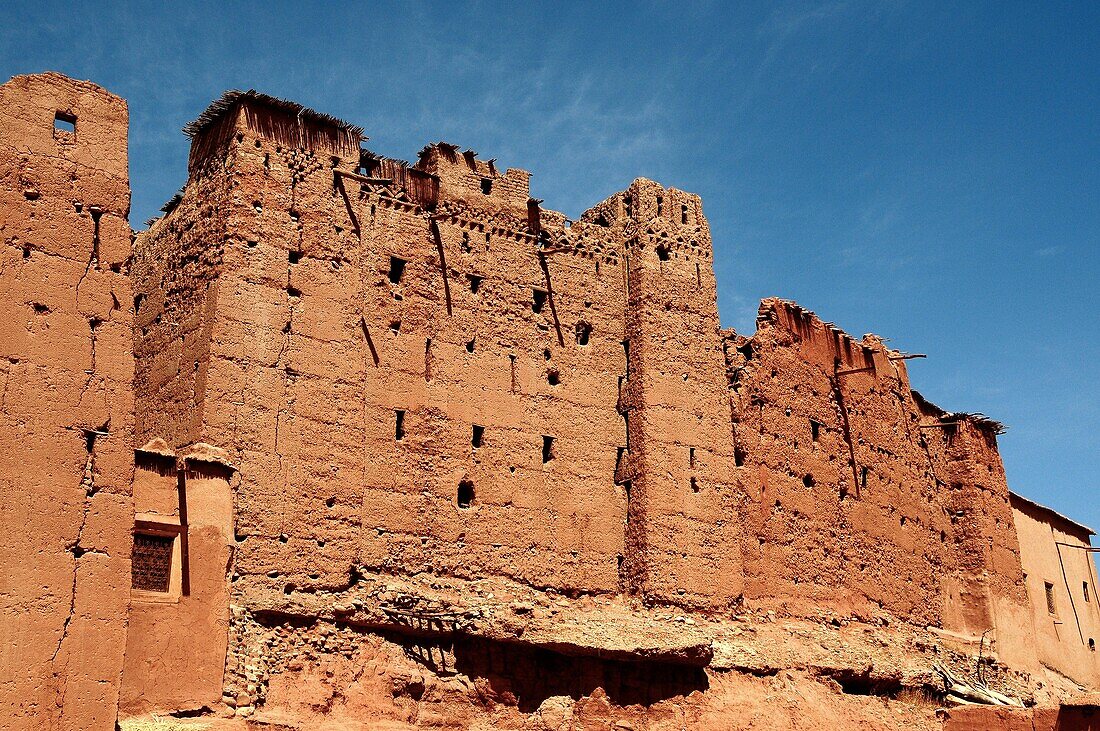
{"points": [[343, 441]]}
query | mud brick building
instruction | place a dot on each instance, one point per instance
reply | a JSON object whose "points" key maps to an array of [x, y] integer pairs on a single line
{"points": [[343, 438]]}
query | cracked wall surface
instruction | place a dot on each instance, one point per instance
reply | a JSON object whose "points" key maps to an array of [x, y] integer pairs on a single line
{"points": [[66, 460]]}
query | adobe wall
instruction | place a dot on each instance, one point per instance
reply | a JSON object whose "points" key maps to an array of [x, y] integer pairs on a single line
{"points": [[1053, 555], [859, 495], [66, 417], [502, 319]]}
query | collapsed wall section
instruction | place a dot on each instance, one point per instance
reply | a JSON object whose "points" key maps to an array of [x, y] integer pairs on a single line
{"points": [[66, 416]]}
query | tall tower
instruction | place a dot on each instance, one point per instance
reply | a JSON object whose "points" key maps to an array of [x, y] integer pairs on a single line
{"points": [[682, 536]]}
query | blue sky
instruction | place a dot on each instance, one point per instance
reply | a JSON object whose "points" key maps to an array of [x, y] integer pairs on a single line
{"points": [[926, 171]]}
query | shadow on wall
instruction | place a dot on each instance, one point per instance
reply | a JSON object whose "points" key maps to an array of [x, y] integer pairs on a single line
{"points": [[526, 676]]}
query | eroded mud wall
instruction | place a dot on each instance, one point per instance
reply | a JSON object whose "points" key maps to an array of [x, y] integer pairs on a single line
{"points": [[859, 495], [66, 415]]}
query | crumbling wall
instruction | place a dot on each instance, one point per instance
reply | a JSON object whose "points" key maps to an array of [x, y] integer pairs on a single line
{"points": [[66, 411], [859, 495]]}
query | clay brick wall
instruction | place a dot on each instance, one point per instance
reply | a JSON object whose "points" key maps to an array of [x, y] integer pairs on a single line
{"points": [[859, 494], [66, 418]]}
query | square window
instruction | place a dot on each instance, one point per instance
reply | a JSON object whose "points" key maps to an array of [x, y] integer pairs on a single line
{"points": [[65, 122]]}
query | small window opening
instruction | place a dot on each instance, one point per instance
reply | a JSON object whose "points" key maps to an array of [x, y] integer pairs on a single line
{"points": [[1092, 645], [553, 377], [293, 291], [395, 327], [294, 216], [399, 425], [486, 185], [694, 485], [465, 494], [683, 214], [691, 457], [815, 429], [628, 204], [294, 256], [584, 332], [152, 562], [470, 345], [808, 480], [547, 449], [538, 300], [660, 205], [863, 477], [1085, 590], [475, 283], [477, 436], [662, 252], [466, 242], [65, 122], [397, 269], [1051, 608]]}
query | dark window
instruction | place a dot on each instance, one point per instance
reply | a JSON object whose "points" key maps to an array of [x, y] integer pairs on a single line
{"points": [[584, 332], [475, 282], [399, 425], [683, 214], [397, 269], [660, 205], [65, 122], [547, 449], [477, 436], [553, 377], [662, 252], [486, 185], [470, 346], [152, 562], [1092, 645], [815, 429], [691, 457], [808, 480], [1085, 589], [465, 494], [538, 300], [294, 256], [1051, 608]]}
